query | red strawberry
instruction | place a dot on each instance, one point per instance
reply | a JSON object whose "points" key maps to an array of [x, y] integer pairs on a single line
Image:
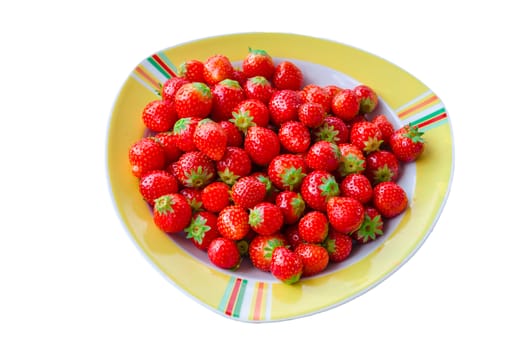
{"points": [[286, 171], [345, 214], [227, 94], [338, 245], [371, 228], [265, 218], [258, 88], [234, 136], [193, 169], [248, 113], [168, 141], [331, 90], [313, 227], [286, 265], [385, 126], [171, 86], [233, 223], [184, 133], [389, 199], [271, 190], [156, 184], [311, 114], [223, 252], [239, 76], [368, 99], [291, 205], [356, 186], [314, 257], [333, 130], [215, 196], [407, 143], [202, 230], [193, 100], [217, 68], [323, 155], [262, 145], [317, 188], [366, 136], [144, 156], [172, 213], [234, 164], [258, 63], [283, 106], [291, 232], [248, 192], [317, 94], [261, 250], [352, 160], [294, 137], [210, 138], [192, 70], [287, 76], [382, 166], [345, 104], [193, 197]]}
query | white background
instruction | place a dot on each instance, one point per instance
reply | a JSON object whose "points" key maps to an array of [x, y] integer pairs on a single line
{"points": [[71, 278]]}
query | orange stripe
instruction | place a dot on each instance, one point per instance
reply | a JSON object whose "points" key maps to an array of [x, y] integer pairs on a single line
{"points": [[146, 76], [258, 301], [415, 107]]}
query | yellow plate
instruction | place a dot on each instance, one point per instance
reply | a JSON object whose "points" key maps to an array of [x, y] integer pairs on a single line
{"points": [[253, 296]]}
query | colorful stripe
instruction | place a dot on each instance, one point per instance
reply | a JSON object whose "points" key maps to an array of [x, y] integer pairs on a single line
{"points": [[425, 111], [259, 300], [231, 302], [246, 299], [154, 71]]}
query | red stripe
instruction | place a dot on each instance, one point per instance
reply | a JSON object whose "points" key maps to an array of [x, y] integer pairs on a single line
{"points": [[160, 61], [232, 299], [415, 107], [432, 120], [146, 76], [258, 301]]}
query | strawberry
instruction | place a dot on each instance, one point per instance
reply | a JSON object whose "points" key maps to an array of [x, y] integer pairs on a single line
{"points": [[407, 143], [352, 160], [271, 190], [333, 130], [312, 93], [144, 156], [193, 197], [385, 126], [184, 133], [210, 138], [262, 145], [331, 90], [389, 199], [248, 191], [193, 169], [356, 186], [227, 94], [157, 183], [291, 233], [202, 230], [311, 114], [265, 218], [287, 76], [248, 113], [382, 166], [234, 136], [338, 245], [317, 187], [172, 213], [168, 141], [366, 136], [313, 227], [233, 223], [261, 249], [223, 252], [294, 137], [192, 70], [171, 86], [258, 63], [345, 104], [215, 196], [286, 171], [283, 106], [193, 100], [371, 228], [234, 164], [323, 155], [217, 68], [368, 99], [286, 265], [259, 88], [291, 205], [345, 214], [315, 258], [239, 76]]}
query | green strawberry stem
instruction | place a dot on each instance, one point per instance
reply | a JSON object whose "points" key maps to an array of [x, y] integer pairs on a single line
{"points": [[164, 204], [372, 144], [292, 177], [414, 133], [351, 164], [256, 216], [197, 229], [242, 120], [329, 187], [370, 229]]}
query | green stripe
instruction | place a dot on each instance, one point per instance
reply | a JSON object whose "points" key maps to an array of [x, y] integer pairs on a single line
{"points": [[167, 61], [432, 115], [240, 298], [158, 67], [225, 298], [434, 125]]}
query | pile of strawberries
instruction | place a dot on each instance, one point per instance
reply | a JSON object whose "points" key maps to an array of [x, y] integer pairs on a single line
{"points": [[248, 162]]}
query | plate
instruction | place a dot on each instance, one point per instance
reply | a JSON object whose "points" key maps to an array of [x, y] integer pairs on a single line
{"points": [[247, 294]]}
